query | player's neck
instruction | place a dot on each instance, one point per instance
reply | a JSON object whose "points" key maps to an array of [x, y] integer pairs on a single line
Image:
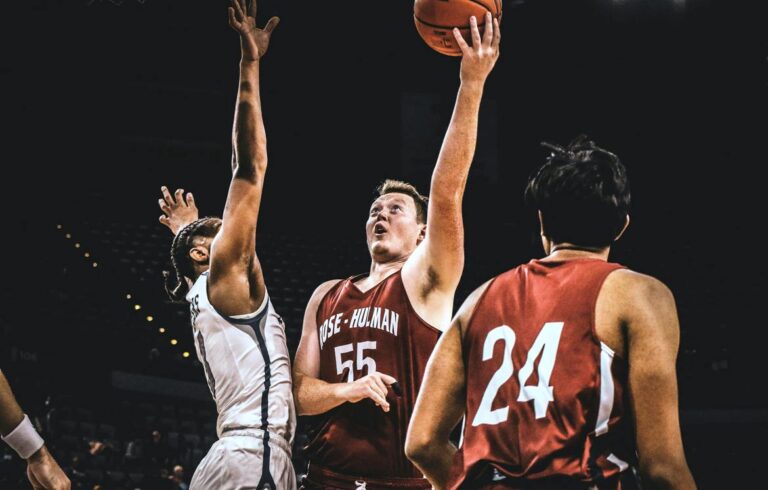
{"points": [[569, 251], [198, 271], [381, 270]]}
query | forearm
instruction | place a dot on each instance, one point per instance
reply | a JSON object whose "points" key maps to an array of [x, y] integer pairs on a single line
{"points": [[249, 138], [11, 414], [435, 462], [457, 152], [314, 396]]}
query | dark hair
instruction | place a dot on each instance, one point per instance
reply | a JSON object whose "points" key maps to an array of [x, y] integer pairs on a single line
{"points": [[583, 193], [183, 242], [389, 186]]}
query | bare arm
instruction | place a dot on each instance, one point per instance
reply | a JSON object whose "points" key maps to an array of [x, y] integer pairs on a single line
{"points": [[43, 471], [10, 411], [438, 263], [313, 395], [653, 338], [233, 253], [441, 401]]}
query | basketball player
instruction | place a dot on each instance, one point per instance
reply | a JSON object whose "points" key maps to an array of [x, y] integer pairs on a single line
{"points": [[370, 332], [19, 433], [239, 338], [564, 367]]}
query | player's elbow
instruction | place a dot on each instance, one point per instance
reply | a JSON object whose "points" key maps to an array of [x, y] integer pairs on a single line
{"points": [[417, 447], [302, 408], [298, 395], [250, 168], [445, 198], [666, 475], [300, 399]]}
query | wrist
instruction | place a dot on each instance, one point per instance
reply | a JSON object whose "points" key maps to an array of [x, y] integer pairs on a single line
{"points": [[24, 439], [472, 85], [341, 391], [38, 455]]}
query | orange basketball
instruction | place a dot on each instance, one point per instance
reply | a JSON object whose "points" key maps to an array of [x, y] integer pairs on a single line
{"points": [[435, 20]]}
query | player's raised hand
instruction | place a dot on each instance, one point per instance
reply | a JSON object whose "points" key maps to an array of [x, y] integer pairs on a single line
{"points": [[373, 386], [178, 210], [254, 42], [478, 60], [44, 472]]}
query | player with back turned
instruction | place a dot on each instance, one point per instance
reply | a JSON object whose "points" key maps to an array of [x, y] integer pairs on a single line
{"points": [[564, 367]]}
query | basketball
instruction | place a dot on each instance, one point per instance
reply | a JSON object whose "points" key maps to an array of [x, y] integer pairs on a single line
{"points": [[435, 20]]}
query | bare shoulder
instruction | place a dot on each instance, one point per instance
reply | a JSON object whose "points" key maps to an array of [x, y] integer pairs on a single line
{"points": [[636, 288], [310, 312], [638, 301], [468, 306], [323, 289], [318, 294]]}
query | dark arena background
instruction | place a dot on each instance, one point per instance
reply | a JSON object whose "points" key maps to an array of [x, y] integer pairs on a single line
{"points": [[105, 101]]}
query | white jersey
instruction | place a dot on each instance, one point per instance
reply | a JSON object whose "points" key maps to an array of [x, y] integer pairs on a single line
{"points": [[246, 364]]}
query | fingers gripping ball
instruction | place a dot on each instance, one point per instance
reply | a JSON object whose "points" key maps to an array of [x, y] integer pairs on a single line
{"points": [[435, 20]]}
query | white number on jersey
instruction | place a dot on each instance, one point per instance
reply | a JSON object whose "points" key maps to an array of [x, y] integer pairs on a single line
{"points": [[484, 413], [362, 361], [542, 394], [548, 340]]}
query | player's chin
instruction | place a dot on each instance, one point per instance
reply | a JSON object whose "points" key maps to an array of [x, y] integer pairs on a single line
{"points": [[379, 247]]}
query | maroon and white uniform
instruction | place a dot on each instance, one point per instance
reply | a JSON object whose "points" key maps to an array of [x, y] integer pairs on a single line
{"points": [[547, 402], [360, 333]]}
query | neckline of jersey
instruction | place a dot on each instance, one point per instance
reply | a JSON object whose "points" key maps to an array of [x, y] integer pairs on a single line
{"points": [[353, 279], [565, 261]]}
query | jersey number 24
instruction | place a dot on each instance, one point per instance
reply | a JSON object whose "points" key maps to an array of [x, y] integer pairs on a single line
{"points": [[541, 394]]}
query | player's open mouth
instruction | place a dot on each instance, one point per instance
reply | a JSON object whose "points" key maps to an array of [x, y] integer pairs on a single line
{"points": [[379, 229]]}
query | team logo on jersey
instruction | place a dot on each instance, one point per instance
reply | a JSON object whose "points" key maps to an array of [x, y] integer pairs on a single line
{"points": [[367, 317]]}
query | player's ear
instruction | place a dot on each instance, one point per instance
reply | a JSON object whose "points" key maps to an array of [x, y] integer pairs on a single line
{"points": [[626, 225], [199, 254], [422, 233]]}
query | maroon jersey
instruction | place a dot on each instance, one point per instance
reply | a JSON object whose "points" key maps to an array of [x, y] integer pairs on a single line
{"points": [[546, 402], [360, 333]]}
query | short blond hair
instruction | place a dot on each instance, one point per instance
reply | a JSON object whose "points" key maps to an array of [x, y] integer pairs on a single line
{"points": [[390, 185]]}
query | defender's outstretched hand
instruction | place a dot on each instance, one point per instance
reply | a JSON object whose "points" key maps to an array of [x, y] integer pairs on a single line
{"points": [[478, 60], [178, 210], [254, 42]]}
